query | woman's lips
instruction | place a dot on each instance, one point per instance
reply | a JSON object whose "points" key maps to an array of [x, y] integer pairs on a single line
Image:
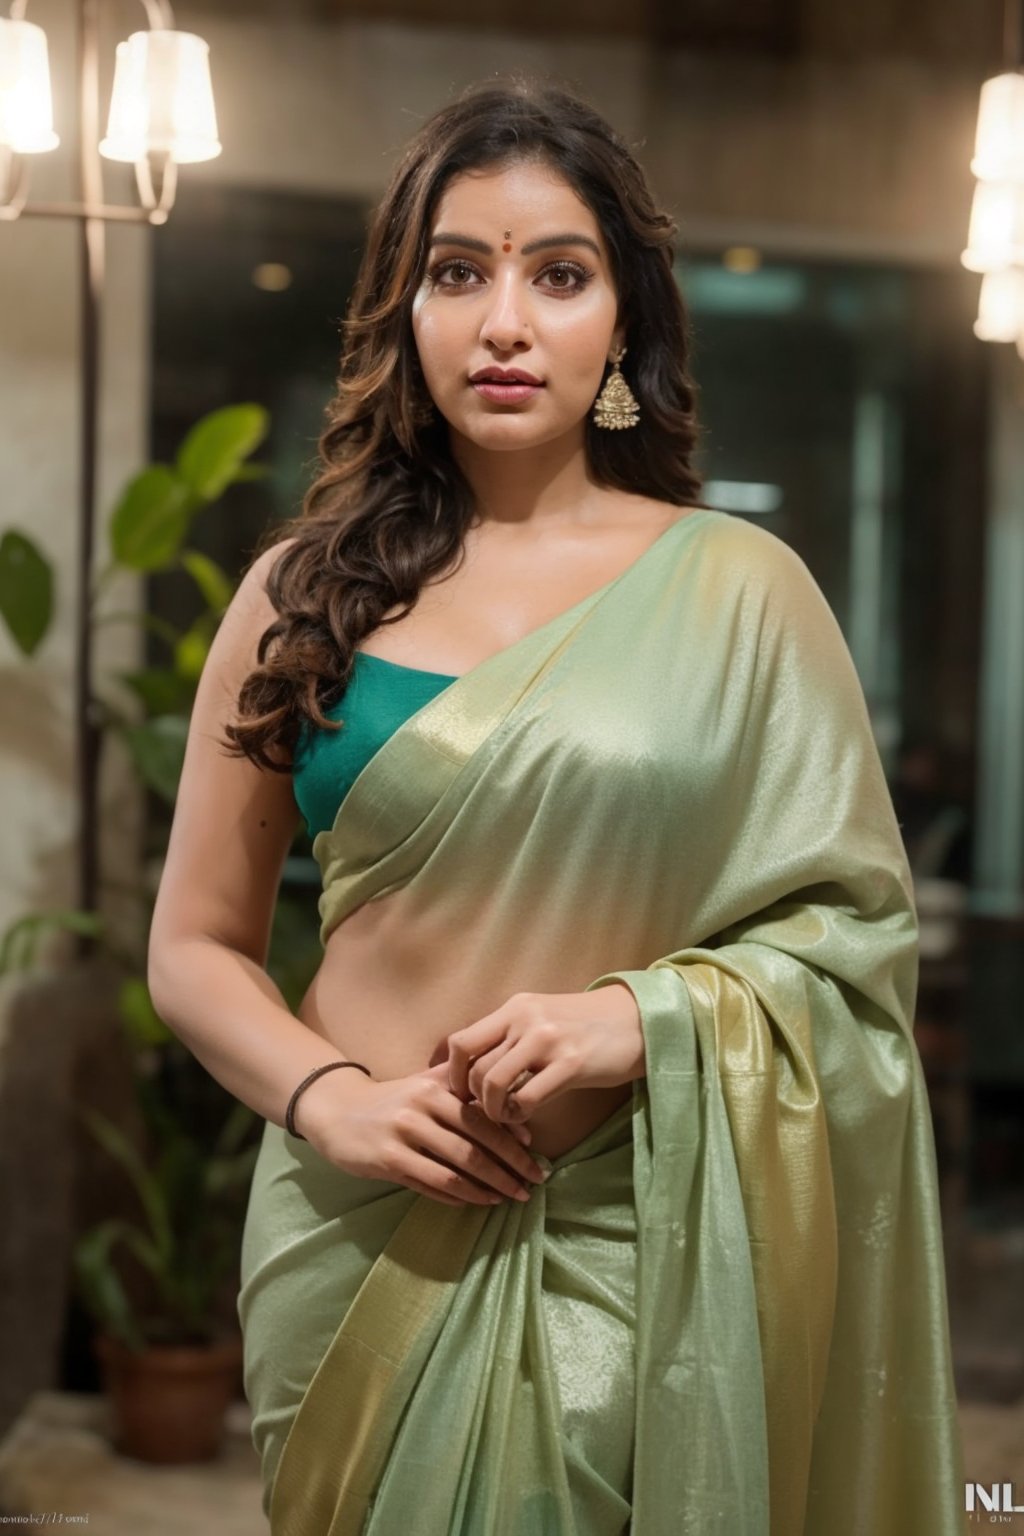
{"points": [[506, 394]]}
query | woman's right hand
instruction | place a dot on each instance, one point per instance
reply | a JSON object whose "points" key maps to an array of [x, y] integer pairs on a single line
{"points": [[414, 1131]]}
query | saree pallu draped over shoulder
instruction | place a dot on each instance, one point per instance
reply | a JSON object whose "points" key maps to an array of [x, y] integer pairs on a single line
{"points": [[726, 1310]]}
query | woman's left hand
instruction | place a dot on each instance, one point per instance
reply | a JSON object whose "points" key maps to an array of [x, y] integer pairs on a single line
{"points": [[566, 1040]]}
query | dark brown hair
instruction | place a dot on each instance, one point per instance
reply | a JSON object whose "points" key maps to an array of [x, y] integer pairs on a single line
{"points": [[390, 508]]}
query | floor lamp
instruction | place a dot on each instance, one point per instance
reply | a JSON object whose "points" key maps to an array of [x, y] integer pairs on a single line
{"points": [[161, 115]]}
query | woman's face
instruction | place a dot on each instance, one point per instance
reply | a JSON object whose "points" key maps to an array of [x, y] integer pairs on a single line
{"points": [[517, 278]]}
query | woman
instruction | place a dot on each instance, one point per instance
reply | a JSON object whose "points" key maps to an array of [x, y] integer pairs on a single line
{"points": [[547, 714]]}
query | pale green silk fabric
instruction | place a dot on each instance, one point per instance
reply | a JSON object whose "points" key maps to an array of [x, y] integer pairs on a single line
{"points": [[726, 1310]]}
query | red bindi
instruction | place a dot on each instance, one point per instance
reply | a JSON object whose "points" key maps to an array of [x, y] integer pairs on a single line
{"points": [[506, 246]]}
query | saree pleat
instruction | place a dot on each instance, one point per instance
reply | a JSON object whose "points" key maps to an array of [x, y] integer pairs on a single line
{"points": [[503, 1322], [726, 1310]]}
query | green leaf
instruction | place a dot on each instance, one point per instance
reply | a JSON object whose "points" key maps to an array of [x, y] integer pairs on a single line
{"points": [[180, 1174], [151, 519], [99, 1242], [224, 1174], [158, 749], [116, 1144], [209, 458], [160, 689], [213, 582], [100, 1282], [141, 620], [192, 649], [160, 1120], [20, 940], [26, 590], [143, 1024], [236, 1123], [247, 472]]}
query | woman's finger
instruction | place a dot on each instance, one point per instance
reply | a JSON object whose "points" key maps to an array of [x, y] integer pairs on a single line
{"points": [[516, 1064], [470, 1121], [466, 1046], [441, 1181], [483, 1065], [543, 1086], [472, 1159], [432, 1194]]}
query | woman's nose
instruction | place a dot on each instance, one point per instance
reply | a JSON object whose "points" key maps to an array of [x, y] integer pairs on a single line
{"points": [[506, 323]]}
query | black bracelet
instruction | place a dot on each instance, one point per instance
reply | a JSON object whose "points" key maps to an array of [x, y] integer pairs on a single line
{"points": [[289, 1114]]}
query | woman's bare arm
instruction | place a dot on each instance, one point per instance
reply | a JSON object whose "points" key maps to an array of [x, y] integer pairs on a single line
{"points": [[233, 826]]}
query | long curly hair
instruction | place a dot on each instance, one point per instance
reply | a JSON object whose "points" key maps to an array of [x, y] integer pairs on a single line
{"points": [[389, 509]]}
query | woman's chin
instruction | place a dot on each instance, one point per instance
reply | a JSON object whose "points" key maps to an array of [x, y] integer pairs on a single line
{"points": [[512, 431]]}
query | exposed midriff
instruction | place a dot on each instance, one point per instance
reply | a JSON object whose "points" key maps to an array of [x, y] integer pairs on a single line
{"points": [[396, 1018]]}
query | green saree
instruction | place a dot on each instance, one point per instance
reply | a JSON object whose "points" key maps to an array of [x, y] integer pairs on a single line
{"points": [[726, 1309]]}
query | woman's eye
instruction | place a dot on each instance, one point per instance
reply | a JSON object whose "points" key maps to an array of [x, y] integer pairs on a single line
{"points": [[566, 277], [456, 268]]}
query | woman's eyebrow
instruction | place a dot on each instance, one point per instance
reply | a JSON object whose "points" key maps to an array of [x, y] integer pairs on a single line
{"points": [[472, 244]]}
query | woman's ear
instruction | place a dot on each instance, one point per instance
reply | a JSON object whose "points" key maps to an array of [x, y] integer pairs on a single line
{"points": [[618, 338]]}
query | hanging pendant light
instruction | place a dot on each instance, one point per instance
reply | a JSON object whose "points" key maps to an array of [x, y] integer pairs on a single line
{"points": [[1001, 306], [995, 239], [999, 137], [162, 101], [26, 103], [161, 113], [996, 236]]}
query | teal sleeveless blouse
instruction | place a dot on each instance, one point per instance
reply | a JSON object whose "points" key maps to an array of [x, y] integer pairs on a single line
{"points": [[380, 696]]}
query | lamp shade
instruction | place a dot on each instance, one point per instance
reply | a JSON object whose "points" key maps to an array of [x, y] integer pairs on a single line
{"points": [[995, 238], [1001, 306], [26, 106], [162, 99], [999, 140]]}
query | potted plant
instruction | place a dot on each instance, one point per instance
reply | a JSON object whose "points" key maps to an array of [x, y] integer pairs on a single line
{"points": [[169, 1365], [154, 1282]]}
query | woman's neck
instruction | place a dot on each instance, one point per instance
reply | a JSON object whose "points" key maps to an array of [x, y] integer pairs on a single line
{"points": [[549, 484]]}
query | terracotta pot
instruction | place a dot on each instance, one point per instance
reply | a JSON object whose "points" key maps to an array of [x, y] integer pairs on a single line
{"points": [[168, 1403]]}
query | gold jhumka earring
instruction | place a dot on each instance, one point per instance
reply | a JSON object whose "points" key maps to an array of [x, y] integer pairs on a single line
{"points": [[616, 406]]}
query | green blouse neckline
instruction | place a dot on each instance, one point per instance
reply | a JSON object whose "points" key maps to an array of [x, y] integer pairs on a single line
{"points": [[400, 666]]}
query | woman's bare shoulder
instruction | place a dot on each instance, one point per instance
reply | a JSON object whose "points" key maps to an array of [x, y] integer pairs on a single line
{"points": [[259, 569]]}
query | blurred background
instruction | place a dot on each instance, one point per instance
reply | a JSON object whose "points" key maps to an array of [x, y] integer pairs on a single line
{"points": [[162, 387]]}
